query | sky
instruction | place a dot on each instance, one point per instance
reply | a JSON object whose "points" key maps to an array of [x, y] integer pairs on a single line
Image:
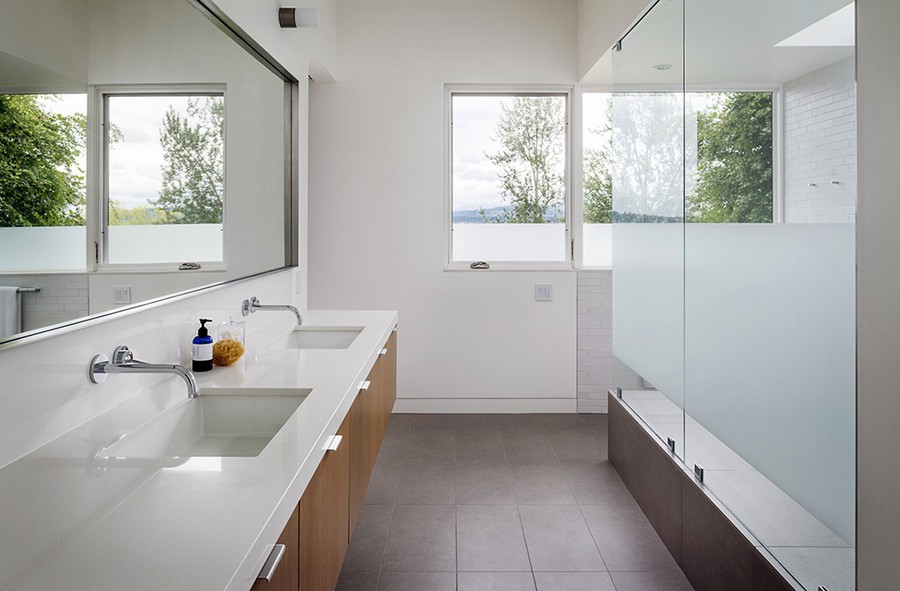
{"points": [[476, 182], [135, 176]]}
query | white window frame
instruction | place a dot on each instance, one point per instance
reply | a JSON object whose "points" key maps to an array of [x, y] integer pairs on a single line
{"points": [[568, 91], [98, 181]]}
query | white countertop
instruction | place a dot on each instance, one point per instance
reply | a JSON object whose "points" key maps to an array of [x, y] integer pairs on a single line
{"points": [[69, 523]]}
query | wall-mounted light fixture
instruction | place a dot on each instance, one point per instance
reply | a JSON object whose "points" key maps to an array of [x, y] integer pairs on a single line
{"points": [[291, 18]]}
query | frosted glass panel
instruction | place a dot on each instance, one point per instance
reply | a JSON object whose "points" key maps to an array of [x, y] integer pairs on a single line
{"points": [[647, 161], [40, 249], [769, 355], [734, 334], [509, 242], [165, 243], [648, 306]]}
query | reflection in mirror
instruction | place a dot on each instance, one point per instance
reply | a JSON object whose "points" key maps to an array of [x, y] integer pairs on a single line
{"points": [[142, 153]]}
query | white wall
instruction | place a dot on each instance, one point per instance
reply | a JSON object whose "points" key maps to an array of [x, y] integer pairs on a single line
{"points": [[878, 285], [173, 43], [820, 146], [46, 391], [468, 340], [298, 50], [55, 36], [305, 53], [595, 359], [601, 24], [40, 401], [61, 297]]}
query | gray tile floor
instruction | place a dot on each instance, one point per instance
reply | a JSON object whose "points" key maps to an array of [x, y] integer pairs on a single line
{"points": [[502, 503]]}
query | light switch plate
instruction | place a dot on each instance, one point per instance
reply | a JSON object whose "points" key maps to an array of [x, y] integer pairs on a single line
{"points": [[122, 294], [543, 292]]}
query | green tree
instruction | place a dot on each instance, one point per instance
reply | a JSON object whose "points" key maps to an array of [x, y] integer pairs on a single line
{"points": [[531, 133], [141, 215], [597, 174], [734, 155], [648, 154], [193, 163], [597, 187], [41, 183]]}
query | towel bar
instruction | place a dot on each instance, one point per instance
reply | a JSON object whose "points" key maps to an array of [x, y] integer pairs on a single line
{"points": [[28, 290]]}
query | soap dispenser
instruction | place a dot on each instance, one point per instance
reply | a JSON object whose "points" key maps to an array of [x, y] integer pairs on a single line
{"points": [[202, 354]]}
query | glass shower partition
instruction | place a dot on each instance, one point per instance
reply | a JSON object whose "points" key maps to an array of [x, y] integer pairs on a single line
{"points": [[647, 120], [734, 193], [770, 275]]}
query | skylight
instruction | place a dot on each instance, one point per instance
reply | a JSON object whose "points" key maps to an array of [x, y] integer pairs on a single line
{"points": [[835, 30]]}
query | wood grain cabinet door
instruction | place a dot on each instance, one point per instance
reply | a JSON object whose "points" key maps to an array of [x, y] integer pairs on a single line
{"points": [[366, 432], [324, 515], [286, 577], [389, 377]]}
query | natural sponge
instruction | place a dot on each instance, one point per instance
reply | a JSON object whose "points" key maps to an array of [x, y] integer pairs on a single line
{"points": [[227, 351]]}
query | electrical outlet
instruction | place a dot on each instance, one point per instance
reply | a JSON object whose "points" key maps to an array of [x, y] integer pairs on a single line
{"points": [[122, 294], [543, 292]]}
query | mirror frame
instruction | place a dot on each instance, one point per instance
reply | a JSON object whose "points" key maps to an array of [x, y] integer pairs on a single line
{"points": [[291, 178]]}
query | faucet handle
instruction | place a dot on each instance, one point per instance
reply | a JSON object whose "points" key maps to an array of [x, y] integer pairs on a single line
{"points": [[97, 368], [249, 306], [122, 354]]}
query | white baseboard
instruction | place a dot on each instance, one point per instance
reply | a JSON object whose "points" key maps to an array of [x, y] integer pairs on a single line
{"points": [[485, 405]]}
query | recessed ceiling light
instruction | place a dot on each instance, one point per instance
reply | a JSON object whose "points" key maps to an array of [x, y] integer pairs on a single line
{"points": [[662, 67]]}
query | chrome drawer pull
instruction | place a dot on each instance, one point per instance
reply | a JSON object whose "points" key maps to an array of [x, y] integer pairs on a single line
{"points": [[333, 443], [384, 351], [365, 385], [275, 556]]}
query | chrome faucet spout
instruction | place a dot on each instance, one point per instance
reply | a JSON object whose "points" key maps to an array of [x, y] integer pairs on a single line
{"points": [[252, 305], [124, 362]]}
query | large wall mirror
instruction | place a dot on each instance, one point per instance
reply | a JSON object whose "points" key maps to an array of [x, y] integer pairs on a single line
{"points": [[146, 148]]}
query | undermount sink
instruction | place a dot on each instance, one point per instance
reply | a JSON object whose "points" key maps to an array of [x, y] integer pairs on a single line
{"points": [[218, 423], [322, 337]]}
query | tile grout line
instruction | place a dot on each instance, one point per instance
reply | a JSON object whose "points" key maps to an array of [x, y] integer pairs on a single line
{"points": [[393, 511]]}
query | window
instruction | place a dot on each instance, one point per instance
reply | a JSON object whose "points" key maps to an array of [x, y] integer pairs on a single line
{"points": [[647, 157], [657, 157], [596, 162], [730, 177], [42, 182], [163, 186], [509, 173]]}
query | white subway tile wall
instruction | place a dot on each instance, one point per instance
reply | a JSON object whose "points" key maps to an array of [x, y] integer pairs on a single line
{"points": [[820, 146], [595, 360], [62, 297]]}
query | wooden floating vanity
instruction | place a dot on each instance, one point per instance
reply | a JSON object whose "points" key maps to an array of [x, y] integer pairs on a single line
{"points": [[316, 537]]}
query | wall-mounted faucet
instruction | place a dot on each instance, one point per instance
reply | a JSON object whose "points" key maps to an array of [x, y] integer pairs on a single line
{"points": [[252, 305], [124, 362]]}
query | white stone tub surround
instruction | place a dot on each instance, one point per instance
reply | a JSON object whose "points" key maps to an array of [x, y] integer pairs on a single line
{"points": [[207, 523]]}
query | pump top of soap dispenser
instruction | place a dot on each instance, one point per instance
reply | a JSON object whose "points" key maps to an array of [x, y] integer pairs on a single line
{"points": [[203, 331]]}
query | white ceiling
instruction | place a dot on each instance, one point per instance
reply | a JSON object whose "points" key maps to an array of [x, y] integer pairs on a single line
{"points": [[721, 43], [18, 75]]}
